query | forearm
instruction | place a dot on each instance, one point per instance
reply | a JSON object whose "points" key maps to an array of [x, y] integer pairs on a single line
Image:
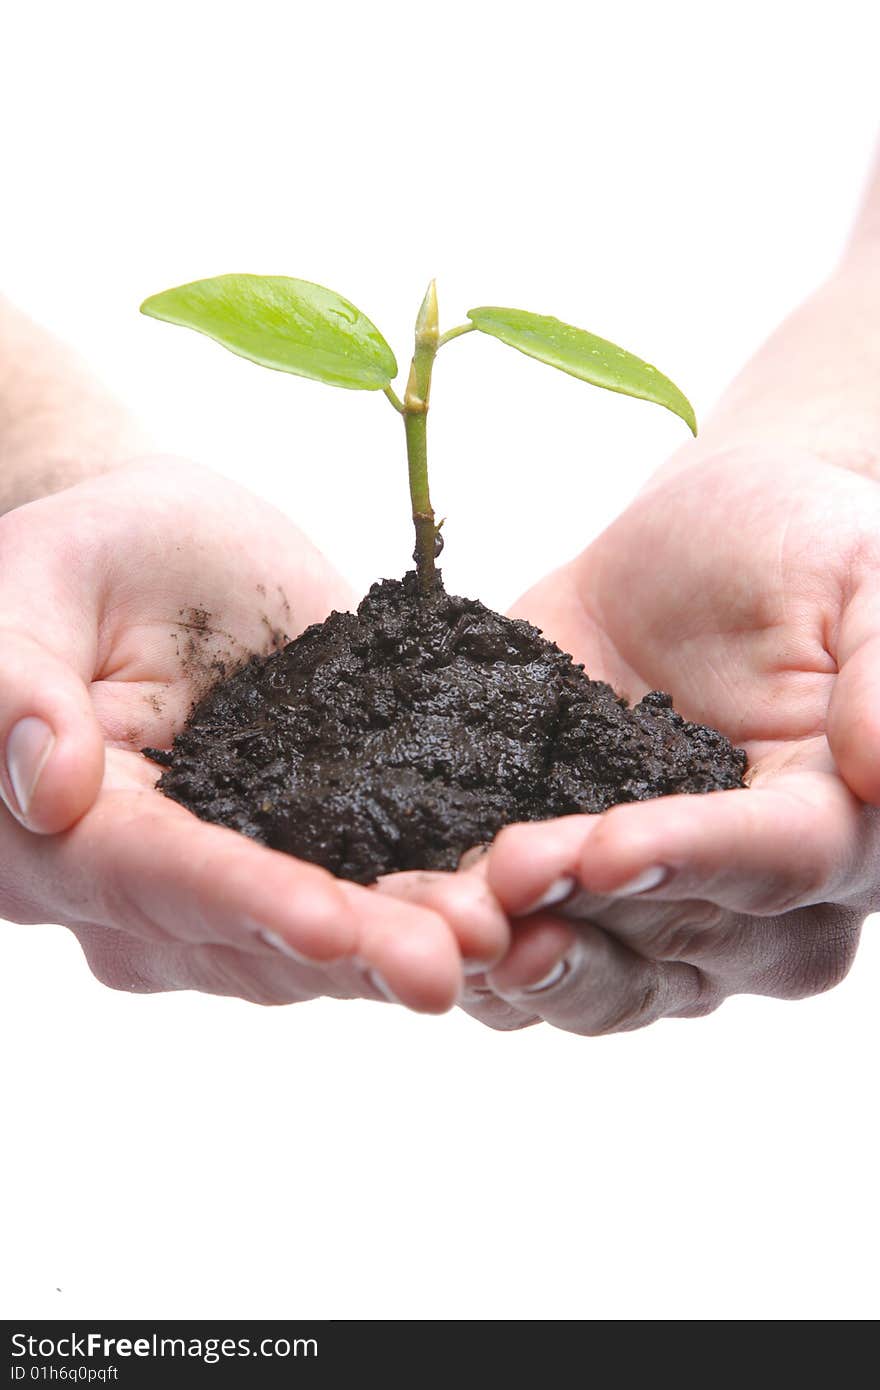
{"points": [[57, 425], [815, 384]]}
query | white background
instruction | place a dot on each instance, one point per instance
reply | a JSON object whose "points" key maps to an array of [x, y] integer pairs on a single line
{"points": [[674, 177]]}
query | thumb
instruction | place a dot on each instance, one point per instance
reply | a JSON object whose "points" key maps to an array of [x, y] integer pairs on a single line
{"points": [[51, 746], [853, 725]]}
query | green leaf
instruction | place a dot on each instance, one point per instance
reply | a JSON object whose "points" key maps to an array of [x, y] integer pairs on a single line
{"points": [[289, 325], [583, 355]]}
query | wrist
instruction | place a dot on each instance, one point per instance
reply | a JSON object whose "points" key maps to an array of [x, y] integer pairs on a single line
{"points": [[812, 387], [58, 426], [862, 253]]}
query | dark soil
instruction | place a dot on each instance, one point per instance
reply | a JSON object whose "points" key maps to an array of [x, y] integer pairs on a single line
{"points": [[402, 735]]}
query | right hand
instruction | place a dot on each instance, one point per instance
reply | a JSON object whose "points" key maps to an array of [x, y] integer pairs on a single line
{"points": [[749, 586], [101, 657]]}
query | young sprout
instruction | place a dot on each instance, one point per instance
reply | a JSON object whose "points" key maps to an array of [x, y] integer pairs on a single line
{"points": [[295, 326]]}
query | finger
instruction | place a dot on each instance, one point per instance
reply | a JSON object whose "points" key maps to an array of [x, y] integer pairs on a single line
{"points": [[530, 867], [465, 902], [140, 861], [52, 747], [127, 963], [409, 951], [472, 858], [789, 842], [793, 956], [481, 1003], [124, 962], [545, 949], [540, 946], [600, 985]]}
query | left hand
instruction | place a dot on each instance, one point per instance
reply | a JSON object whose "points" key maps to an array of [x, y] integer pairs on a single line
{"points": [[749, 587], [121, 598]]}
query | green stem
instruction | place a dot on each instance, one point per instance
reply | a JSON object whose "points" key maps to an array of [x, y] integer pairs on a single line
{"points": [[415, 425], [415, 422], [395, 399], [451, 333]]}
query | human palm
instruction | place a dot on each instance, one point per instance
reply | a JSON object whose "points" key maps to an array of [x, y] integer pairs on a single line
{"points": [[727, 584]]}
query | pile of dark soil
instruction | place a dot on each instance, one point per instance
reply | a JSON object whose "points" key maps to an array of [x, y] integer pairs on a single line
{"points": [[400, 736]]}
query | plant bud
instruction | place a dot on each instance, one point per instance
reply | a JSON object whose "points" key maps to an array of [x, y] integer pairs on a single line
{"points": [[427, 323]]}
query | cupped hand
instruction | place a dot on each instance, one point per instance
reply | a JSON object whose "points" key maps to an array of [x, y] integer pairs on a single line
{"points": [[121, 600], [749, 587]]}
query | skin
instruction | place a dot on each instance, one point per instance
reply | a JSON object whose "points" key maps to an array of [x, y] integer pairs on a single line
{"points": [[746, 580], [121, 586]]}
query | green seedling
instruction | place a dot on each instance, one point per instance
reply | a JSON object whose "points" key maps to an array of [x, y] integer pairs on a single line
{"points": [[295, 326]]}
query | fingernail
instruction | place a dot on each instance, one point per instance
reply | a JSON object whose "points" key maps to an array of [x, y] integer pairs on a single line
{"points": [[27, 751], [559, 890], [470, 993], [551, 978], [473, 856], [284, 948], [648, 878], [378, 983], [475, 967]]}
